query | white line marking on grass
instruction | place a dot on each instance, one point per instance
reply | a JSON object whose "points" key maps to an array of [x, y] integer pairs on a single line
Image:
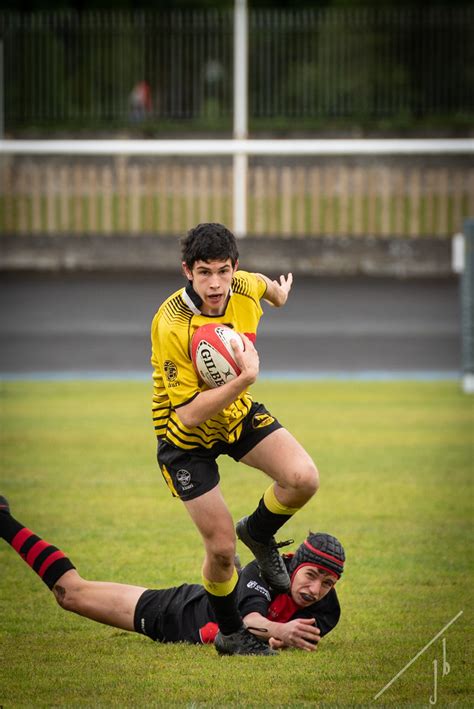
{"points": [[453, 620]]}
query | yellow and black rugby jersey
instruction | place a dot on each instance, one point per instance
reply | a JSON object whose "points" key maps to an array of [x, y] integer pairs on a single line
{"points": [[175, 381]]}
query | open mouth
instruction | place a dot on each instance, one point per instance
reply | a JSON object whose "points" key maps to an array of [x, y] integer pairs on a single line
{"points": [[307, 598]]}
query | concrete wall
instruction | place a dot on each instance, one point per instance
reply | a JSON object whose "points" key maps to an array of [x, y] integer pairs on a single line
{"points": [[403, 257]]}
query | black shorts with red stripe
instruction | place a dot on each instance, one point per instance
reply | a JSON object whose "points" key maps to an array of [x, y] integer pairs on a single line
{"points": [[173, 614]]}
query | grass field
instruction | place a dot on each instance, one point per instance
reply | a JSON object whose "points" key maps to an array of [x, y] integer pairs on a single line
{"points": [[396, 464]]}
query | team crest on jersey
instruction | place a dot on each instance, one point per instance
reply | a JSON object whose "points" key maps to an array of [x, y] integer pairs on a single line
{"points": [[262, 420], [171, 370]]}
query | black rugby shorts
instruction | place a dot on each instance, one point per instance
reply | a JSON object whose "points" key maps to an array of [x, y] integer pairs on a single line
{"points": [[191, 473]]}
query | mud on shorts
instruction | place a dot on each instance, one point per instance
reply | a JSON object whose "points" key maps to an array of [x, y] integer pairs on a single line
{"points": [[191, 473]]}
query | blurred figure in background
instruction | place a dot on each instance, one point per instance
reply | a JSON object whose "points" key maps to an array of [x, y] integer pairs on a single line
{"points": [[140, 102]]}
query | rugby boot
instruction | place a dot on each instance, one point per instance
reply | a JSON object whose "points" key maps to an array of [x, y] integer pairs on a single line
{"points": [[242, 642], [271, 565]]}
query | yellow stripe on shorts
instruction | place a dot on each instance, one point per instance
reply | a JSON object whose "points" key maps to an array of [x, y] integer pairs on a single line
{"points": [[168, 480]]}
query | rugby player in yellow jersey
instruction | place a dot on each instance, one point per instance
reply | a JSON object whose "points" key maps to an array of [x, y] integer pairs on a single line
{"points": [[194, 425]]}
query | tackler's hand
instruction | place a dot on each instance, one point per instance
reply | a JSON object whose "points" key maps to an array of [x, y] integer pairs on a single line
{"points": [[302, 633], [276, 644]]}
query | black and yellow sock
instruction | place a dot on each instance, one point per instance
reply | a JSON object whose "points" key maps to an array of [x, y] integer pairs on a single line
{"points": [[223, 599], [46, 560], [269, 516]]}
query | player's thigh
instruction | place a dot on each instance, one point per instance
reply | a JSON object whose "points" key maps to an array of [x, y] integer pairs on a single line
{"points": [[211, 516], [280, 456]]}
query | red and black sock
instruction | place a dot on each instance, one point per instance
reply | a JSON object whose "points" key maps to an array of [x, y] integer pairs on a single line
{"points": [[48, 561]]}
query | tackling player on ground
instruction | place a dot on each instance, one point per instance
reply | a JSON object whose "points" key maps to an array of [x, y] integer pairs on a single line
{"points": [[183, 614], [195, 424]]}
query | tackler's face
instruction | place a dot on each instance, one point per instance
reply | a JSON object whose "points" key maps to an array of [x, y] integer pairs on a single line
{"points": [[310, 584], [211, 281]]}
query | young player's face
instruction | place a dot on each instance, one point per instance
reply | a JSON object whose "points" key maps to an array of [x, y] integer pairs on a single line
{"points": [[310, 584], [211, 281]]}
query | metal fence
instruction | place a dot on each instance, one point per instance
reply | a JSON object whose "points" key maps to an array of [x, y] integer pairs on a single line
{"points": [[112, 68]]}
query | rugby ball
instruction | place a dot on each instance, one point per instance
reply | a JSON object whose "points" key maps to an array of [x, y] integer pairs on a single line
{"points": [[212, 354]]}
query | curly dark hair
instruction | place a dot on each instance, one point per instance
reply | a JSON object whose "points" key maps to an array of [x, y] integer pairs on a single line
{"points": [[209, 242]]}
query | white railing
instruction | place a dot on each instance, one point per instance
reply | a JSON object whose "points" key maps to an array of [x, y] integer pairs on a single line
{"points": [[455, 146]]}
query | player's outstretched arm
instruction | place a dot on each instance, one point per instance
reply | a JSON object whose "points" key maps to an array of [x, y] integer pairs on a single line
{"points": [[301, 633], [277, 291]]}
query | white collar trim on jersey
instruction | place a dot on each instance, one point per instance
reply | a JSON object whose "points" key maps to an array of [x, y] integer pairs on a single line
{"points": [[191, 304]]}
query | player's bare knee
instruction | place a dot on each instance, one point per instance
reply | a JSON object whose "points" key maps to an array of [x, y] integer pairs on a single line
{"points": [[307, 480], [223, 554], [226, 563], [66, 596], [312, 481], [69, 593]]}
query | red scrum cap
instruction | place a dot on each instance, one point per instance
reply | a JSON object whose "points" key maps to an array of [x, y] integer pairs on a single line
{"points": [[321, 550]]}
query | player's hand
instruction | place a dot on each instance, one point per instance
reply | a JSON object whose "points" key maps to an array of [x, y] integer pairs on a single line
{"points": [[284, 286], [278, 290], [276, 644], [247, 359], [301, 633]]}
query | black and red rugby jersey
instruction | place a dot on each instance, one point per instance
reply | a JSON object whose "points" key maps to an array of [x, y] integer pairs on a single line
{"points": [[183, 613]]}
